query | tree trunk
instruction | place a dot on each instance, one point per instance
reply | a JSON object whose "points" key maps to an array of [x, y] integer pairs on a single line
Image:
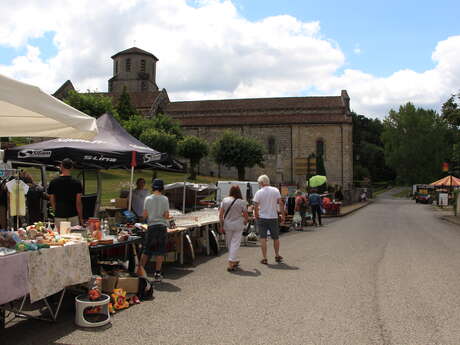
{"points": [[241, 173], [192, 171]]}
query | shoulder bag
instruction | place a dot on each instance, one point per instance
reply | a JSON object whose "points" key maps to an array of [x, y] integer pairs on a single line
{"points": [[228, 209]]}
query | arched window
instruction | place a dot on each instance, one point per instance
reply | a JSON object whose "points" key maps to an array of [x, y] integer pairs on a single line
{"points": [[320, 148], [271, 145], [128, 65]]}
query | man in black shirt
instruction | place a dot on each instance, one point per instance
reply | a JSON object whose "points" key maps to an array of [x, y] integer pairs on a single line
{"points": [[65, 196]]}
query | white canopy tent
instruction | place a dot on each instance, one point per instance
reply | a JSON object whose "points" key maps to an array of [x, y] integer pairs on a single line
{"points": [[27, 111]]}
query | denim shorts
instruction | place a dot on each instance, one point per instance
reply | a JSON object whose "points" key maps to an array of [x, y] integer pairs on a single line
{"points": [[264, 224], [155, 240]]}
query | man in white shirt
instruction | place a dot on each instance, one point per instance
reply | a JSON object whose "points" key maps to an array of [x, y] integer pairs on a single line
{"points": [[266, 202]]}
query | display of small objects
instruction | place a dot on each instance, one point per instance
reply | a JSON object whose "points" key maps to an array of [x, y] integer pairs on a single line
{"points": [[119, 299]]}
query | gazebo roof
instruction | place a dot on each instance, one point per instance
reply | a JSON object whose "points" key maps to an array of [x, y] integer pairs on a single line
{"points": [[447, 181]]}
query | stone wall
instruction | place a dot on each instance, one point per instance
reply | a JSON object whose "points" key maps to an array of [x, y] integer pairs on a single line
{"points": [[279, 165]]}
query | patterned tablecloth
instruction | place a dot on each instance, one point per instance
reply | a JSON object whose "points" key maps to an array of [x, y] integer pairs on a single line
{"points": [[48, 271], [13, 277]]}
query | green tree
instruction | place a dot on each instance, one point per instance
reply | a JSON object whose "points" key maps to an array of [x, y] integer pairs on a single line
{"points": [[167, 124], [162, 142], [91, 103], [194, 149], [415, 143], [369, 158], [136, 124], [451, 111], [124, 107], [455, 160], [233, 150]]}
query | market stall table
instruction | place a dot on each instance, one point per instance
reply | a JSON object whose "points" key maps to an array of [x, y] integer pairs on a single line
{"points": [[40, 274], [129, 247]]}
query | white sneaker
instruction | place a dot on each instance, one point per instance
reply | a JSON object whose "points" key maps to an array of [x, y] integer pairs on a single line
{"points": [[157, 277]]}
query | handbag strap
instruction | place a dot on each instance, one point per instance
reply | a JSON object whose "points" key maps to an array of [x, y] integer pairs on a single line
{"points": [[228, 209]]}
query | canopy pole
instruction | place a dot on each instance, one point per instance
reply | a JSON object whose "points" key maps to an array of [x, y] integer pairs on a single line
{"points": [[98, 193], [133, 165], [131, 189], [183, 198], [45, 186]]}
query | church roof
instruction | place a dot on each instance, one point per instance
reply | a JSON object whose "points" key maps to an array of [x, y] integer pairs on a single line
{"points": [[135, 50], [256, 104], [64, 90], [261, 111]]}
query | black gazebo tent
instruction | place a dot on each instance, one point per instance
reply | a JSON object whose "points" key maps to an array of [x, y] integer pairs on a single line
{"points": [[113, 147]]}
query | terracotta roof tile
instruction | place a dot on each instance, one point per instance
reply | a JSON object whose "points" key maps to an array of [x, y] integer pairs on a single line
{"points": [[256, 104]]}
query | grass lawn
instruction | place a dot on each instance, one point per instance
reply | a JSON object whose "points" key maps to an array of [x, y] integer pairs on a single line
{"points": [[114, 180]]}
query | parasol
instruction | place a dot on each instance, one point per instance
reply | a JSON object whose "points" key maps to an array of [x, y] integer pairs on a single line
{"points": [[317, 180]]}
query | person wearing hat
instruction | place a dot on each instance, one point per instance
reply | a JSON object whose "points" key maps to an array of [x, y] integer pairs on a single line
{"points": [[65, 196], [156, 212]]}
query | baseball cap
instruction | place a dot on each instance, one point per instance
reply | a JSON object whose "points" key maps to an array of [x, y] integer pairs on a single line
{"points": [[157, 184]]}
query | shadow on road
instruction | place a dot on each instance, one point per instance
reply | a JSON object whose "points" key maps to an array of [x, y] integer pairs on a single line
{"points": [[35, 332], [165, 286], [282, 266], [171, 272], [246, 273]]}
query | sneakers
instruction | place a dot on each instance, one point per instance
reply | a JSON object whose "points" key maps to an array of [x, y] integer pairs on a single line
{"points": [[157, 277]]}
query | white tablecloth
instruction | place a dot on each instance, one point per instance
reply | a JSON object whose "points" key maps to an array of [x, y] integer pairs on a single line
{"points": [[48, 271]]}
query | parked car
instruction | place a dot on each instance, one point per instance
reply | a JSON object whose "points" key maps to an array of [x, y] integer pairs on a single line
{"points": [[423, 198]]}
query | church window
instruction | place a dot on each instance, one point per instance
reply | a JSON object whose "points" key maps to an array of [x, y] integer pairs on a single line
{"points": [[320, 148], [128, 65], [271, 146], [142, 65]]}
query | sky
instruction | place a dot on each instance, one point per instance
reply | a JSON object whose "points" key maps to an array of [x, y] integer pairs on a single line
{"points": [[384, 53]]}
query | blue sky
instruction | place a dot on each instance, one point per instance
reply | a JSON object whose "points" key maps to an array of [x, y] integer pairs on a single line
{"points": [[45, 43], [391, 35], [383, 53]]}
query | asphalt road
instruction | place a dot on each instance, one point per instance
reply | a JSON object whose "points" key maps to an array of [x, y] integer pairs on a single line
{"points": [[386, 274]]}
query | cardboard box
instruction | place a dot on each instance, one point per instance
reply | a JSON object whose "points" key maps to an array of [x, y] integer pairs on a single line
{"points": [[129, 284], [121, 203], [109, 283]]}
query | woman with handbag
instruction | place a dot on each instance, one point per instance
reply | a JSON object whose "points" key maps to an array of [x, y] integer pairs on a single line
{"points": [[233, 216]]}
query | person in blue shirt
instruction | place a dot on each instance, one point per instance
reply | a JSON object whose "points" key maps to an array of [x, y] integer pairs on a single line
{"points": [[316, 204]]}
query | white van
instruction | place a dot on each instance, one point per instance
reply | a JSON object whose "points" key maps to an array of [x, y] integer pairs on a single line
{"points": [[248, 189]]}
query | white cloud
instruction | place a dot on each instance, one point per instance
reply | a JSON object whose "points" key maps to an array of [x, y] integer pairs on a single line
{"points": [[209, 51], [376, 96]]}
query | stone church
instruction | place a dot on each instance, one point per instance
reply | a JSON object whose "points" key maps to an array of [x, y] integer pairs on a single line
{"points": [[291, 128]]}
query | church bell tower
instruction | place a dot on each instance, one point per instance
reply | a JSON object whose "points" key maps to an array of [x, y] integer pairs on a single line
{"points": [[134, 69]]}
